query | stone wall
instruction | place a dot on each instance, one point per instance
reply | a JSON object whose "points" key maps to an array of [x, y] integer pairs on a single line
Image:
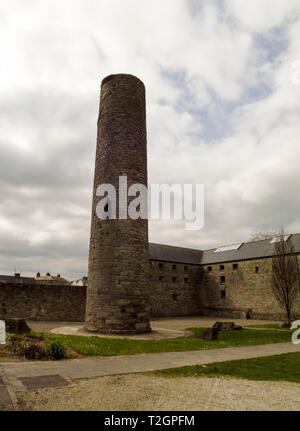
{"points": [[175, 294], [247, 290], [174, 289], [42, 302]]}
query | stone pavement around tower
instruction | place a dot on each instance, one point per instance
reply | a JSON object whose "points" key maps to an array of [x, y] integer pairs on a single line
{"points": [[163, 327]]}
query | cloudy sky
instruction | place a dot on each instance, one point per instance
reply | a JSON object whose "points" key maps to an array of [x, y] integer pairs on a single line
{"points": [[223, 106]]}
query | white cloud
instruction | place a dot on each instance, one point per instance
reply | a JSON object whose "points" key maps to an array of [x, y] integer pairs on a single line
{"points": [[261, 16]]}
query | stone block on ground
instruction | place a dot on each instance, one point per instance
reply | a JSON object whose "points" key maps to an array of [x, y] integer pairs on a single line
{"points": [[210, 334], [227, 326], [17, 326]]}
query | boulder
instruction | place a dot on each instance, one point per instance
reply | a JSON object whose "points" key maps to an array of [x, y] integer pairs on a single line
{"points": [[227, 326], [17, 326], [210, 334], [224, 326]]}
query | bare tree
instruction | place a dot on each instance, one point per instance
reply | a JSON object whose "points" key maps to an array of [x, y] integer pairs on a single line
{"points": [[285, 274]]}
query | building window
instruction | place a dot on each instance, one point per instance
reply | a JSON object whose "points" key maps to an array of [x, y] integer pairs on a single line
{"points": [[223, 293], [174, 279], [222, 279], [186, 280], [173, 267], [160, 278], [221, 267], [175, 297], [235, 266], [257, 269], [185, 268], [209, 268], [160, 265]]}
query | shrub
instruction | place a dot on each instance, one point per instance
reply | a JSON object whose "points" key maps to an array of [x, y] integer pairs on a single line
{"points": [[15, 345], [56, 350], [13, 338], [31, 349], [34, 350]]}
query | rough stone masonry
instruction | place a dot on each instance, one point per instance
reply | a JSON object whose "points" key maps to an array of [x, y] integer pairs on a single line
{"points": [[117, 292]]}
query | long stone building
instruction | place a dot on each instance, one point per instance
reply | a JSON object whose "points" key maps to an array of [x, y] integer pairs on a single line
{"points": [[227, 281], [230, 281]]}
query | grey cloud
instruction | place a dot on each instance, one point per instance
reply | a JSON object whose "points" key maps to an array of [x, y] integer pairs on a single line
{"points": [[49, 107]]}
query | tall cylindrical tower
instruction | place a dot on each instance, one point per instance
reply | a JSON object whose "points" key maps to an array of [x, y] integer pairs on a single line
{"points": [[117, 293]]}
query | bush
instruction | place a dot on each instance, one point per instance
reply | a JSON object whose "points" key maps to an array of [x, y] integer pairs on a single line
{"points": [[30, 349], [55, 350], [34, 350], [15, 345]]}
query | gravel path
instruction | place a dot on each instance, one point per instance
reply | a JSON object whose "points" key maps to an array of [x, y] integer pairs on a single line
{"points": [[148, 392]]}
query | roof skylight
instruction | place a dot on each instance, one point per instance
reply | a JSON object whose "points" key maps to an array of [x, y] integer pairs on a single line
{"points": [[277, 239], [229, 247]]}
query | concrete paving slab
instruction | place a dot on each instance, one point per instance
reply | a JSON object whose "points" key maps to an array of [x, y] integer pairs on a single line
{"points": [[48, 381]]}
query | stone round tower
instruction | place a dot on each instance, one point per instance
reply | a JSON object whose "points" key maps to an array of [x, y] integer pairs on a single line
{"points": [[117, 292]]}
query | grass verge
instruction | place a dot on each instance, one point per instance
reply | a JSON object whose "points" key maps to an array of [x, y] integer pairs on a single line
{"points": [[284, 367], [268, 325], [125, 346]]}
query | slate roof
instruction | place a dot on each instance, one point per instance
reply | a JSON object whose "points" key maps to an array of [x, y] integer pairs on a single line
{"points": [[169, 253], [13, 279], [248, 250], [31, 280]]}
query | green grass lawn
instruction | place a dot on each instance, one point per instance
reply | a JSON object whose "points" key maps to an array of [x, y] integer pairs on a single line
{"points": [[279, 367], [268, 325], [125, 346]]}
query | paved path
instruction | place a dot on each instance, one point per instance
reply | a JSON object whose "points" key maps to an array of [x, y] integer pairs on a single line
{"points": [[103, 366], [11, 373], [6, 396]]}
